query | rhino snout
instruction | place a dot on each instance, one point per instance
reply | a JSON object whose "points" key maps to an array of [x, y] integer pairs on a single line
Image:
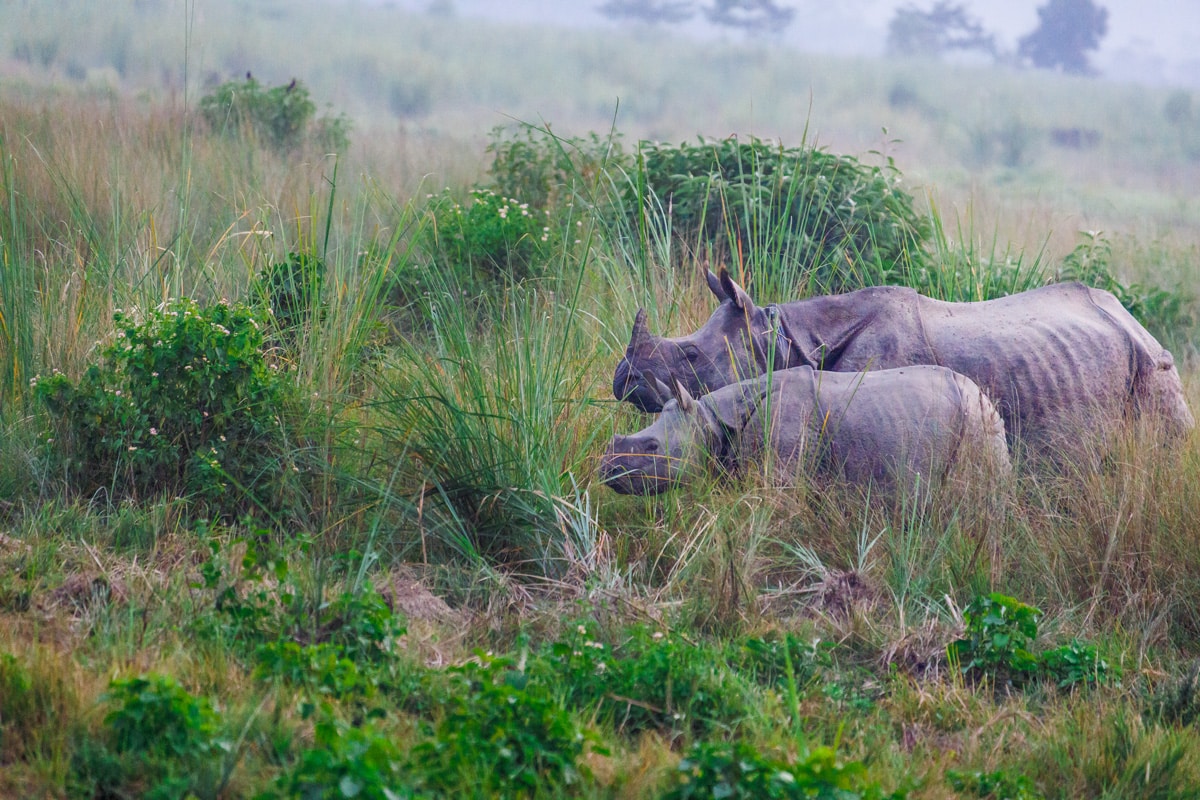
{"points": [[632, 466]]}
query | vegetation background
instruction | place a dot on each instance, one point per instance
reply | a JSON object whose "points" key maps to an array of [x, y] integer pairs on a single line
{"points": [[308, 315]]}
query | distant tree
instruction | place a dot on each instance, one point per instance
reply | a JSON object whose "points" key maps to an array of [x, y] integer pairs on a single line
{"points": [[752, 16], [943, 28], [1066, 31], [651, 11]]}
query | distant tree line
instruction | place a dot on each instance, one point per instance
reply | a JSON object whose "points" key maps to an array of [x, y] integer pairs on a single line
{"points": [[751, 16], [1067, 30]]}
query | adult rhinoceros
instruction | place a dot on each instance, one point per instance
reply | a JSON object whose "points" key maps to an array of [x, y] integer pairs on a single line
{"points": [[890, 429], [1062, 363]]}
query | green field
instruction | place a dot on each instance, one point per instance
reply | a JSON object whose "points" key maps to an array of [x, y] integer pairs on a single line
{"points": [[301, 422]]}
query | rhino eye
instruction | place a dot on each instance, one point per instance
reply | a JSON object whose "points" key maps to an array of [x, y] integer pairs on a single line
{"points": [[651, 447], [691, 352]]}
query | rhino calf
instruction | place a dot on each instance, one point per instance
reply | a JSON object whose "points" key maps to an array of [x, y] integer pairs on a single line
{"points": [[891, 429]]}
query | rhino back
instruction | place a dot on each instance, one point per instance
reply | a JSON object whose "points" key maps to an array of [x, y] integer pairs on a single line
{"points": [[1050, 359], [896, 423]]}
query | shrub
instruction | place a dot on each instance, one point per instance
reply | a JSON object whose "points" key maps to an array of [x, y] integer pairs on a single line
{"points": [[650, 681], [738, 771], [815, 218], [183, 401], [998, 643], [542, 168], [502, 734], [347, 761], [774, 661], [493, 238], [997, 784], [281, 116], [1077, 663], [1000, 631], [160, 742]]}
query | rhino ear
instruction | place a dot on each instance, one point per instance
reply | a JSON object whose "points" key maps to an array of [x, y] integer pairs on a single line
{"points": [[734, 292], [687, 403]]}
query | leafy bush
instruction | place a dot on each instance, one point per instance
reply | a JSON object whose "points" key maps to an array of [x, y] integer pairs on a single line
{"points": [[492, 238], [998, 643], [998, 784], [815, 218], [281, 116], [501, 734], [154, 715], [542, 168], [770, 660], [263, 602], [1077, 663], [346, 761], [160, 742], [651, 681], [999, 634], [183, 401], [736, 771], [321, 670]]}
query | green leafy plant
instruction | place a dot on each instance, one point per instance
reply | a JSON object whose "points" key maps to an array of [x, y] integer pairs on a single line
{"points": [[1077, 664], [321, 670], [649, 681], [183, 401], [1000, 631], [737, 771], [542, 168], [346, 761], [775, 660], [501, 733], [160, 742], [492, 238], [824, 220], [153, 714], [280, 116], [999, 785]]}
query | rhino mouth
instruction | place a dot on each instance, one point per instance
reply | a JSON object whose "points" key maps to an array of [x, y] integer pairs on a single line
{"points": [[634, 474], [639, 387]]}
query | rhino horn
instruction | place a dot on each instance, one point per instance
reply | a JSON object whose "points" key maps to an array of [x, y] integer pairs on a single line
{"points": [[640, 329], [734, 292], [687, 403]]}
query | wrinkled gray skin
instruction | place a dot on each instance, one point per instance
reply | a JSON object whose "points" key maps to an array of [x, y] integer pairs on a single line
{"points": [[890, 429], [1056, 360]]}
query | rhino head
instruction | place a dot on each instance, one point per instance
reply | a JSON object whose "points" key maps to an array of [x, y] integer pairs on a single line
{"points": [[731, 346], [661, 456]]}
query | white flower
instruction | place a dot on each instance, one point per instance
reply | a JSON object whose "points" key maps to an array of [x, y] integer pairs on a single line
{"points": [[154, 431]]}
